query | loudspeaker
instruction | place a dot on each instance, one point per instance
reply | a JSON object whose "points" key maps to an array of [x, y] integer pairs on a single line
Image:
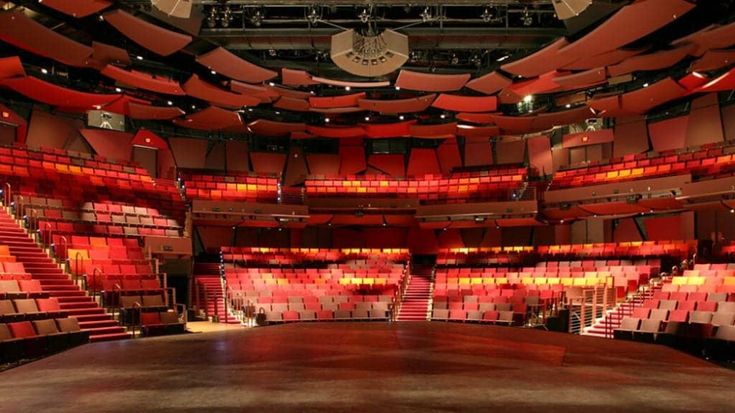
{"points": [[560, 322], [176, 8]]}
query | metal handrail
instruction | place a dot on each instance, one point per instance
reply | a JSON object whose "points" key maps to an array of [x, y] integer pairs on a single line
{"points": [[65, 243], [7, 195], [95, 273]]}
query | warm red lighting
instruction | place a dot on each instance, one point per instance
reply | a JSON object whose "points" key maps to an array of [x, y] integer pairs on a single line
{"points": [[585, 138], [147, 140], [6, 115]]}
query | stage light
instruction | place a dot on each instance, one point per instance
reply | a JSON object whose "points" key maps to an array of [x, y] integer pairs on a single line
{"points": [[398, 88], [528, 99], [527, 19], [256, 18], [326, 120], [426, 15], [271, 84], [347, 88], [367, 118], [401, 117], [313, 16], [500, 59], [44, 71], [645, 85], [118, 90], [212, 18], [487, 15], [170, 103], [568, 105], [364, 16], [6, 115], [139, 57], [732, 211], [213, 72]]}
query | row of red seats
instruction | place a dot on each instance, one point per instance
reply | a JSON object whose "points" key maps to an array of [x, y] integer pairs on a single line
{"points": [[232, 187]]}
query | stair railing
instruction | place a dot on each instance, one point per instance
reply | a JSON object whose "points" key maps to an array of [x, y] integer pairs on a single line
{"points": [[46, 236], [7, 194], [63, 247], [19, 207], [97, 274]]}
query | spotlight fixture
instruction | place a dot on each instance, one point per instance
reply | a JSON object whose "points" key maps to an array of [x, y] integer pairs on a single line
{"points": [[226, 17], [426, 15], [487, 16], [118, 90], [256, 18], [139, 57], [476, 60], [528, 99], [367, 118], [500, 59], [364, 16], [347, 88], [170, 103], [454, 60], [401, 117], [313, 16], [398, 88], [212, 18], [44, 71], [326, 120], [526, 18]]}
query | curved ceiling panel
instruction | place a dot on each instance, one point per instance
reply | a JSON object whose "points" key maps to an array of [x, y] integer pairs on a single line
{"points": [[489, 83], [388, 130], [342, 83], [478, 118], [441, 130], [469, 131], [650, 61], [152, 37], [431, 82], [104, 54], [21, 31], [542, 84], [211, 118], [143, 81], [78, 8], [11, 67], [549, 120], [336, 132], [54, 95], [513, 123], [722, 83], [540, 62], [200, 89], [264, 93], [350, 109], [146, 112], [298, 94], [613, 208], [713, 60], [418, 104], [582, 79], [712, 37], [335, 101], [458, 103], [605, 59], [226, 63], [629, 24], [275, 128], [693, 81], [644, 99], [122, 105], [607, 106], [296, 105], [293, 77]]}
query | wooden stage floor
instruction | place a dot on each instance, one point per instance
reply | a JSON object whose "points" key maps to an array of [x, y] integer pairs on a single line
{"points": [[366, 367]]}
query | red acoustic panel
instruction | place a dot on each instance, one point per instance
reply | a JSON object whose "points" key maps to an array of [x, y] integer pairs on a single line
{"points": [[631, 136], [147, 112], [392, 165], [548, 120], [543, 84], [644, 99], [441, 130], [517, 222], [343, 83], [582, 79], [513, 123], [629, 24], [149, 139], [422, 161], [104, 54], [21, 125], [570, 213], [608, 106], [323, 164], [151, 36], [431, 82], [478, 152], [489, 83], [478, 118], [469, 131], [109, 144], [448, 154], [273, 128], [693, 81], [336, 131], [23, 32], [573, 140], [335, 101], [282, 91], [226, 63], [418, 104], [711, 37], [54, 95], [266, 94], [327, 111], [78, 8], [705, 121], [388, 130], [212, 118], [143, 80], [510, 150], [268, 163], [297, 105], [539, 154], [352, 156], [713, 60], [720, 84], [650, 61], [459, 103], [195, 87], [668, 134], [293, 77], [542, 61], [601, 60], [613, 208], [11, 67], [122, 105]]}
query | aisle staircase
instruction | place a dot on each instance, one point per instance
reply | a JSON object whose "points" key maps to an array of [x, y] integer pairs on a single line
{"points": [[605, 326], [211, 296], [416, 299], [72, 299]]}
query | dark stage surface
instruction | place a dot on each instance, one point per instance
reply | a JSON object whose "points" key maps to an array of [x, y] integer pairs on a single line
{"points": [[358, 367]]}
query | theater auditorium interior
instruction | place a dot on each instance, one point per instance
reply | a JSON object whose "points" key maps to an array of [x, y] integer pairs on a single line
{"points": [[430, 206]]}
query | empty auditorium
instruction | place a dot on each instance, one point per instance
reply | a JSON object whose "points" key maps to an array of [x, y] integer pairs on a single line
{"points": [[366, 206]]}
